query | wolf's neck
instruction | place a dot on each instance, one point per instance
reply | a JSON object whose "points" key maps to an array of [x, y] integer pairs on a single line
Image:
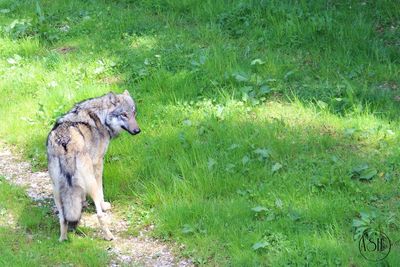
{"points": [[100, 121]]}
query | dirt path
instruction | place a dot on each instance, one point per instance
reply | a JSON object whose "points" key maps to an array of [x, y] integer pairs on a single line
{"points": [[124, 250]]}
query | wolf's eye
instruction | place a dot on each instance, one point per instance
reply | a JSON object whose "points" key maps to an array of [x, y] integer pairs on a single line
{"points": [[124, 114]]}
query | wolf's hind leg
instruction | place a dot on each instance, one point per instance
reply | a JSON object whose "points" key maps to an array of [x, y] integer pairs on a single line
{"points": [[63, 222], [63, 229]]}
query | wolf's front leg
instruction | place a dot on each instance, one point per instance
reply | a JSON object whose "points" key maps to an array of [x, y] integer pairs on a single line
{"points": [[105, 205], [98, 169], [103, 224], [94, 194]]}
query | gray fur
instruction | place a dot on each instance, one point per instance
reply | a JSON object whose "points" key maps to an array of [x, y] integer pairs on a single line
{"points": [[75, 149]]}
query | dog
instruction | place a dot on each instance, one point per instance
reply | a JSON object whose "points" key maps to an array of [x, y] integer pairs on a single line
{"points": [[75, 150]]}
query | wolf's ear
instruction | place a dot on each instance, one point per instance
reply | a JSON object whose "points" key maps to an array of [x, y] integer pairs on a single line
{"points": [[126, 92], [113, 98]]}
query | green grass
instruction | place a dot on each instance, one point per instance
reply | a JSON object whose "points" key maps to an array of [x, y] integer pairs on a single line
{"points": [[32, 238], [242, 104]]}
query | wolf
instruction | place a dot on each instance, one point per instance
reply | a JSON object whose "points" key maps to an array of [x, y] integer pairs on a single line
{"points": [[75, 150]]}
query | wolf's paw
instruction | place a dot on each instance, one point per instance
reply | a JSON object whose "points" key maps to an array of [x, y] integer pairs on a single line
{"points": [[105, 206], [62, 238]]}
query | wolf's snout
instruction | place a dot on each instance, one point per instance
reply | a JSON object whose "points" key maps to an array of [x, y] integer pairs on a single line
{"points": [[133, 127]]}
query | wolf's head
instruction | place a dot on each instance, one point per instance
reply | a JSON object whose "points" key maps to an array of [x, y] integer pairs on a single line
{"points": [[123, 114]]}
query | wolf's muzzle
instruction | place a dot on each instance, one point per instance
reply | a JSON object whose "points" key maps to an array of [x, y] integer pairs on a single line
{"points": [[134, 132]]}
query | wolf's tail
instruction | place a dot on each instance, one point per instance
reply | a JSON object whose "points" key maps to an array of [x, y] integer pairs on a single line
{"points": [[71, 193], [72, 198]]}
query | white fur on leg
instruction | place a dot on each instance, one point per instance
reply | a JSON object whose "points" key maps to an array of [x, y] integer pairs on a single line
{"points": [[103, 224], [107, 234], [105, 206]]}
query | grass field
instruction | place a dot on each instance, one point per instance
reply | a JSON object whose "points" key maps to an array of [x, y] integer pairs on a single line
{"points": [[270, 132], [30, 237]]}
